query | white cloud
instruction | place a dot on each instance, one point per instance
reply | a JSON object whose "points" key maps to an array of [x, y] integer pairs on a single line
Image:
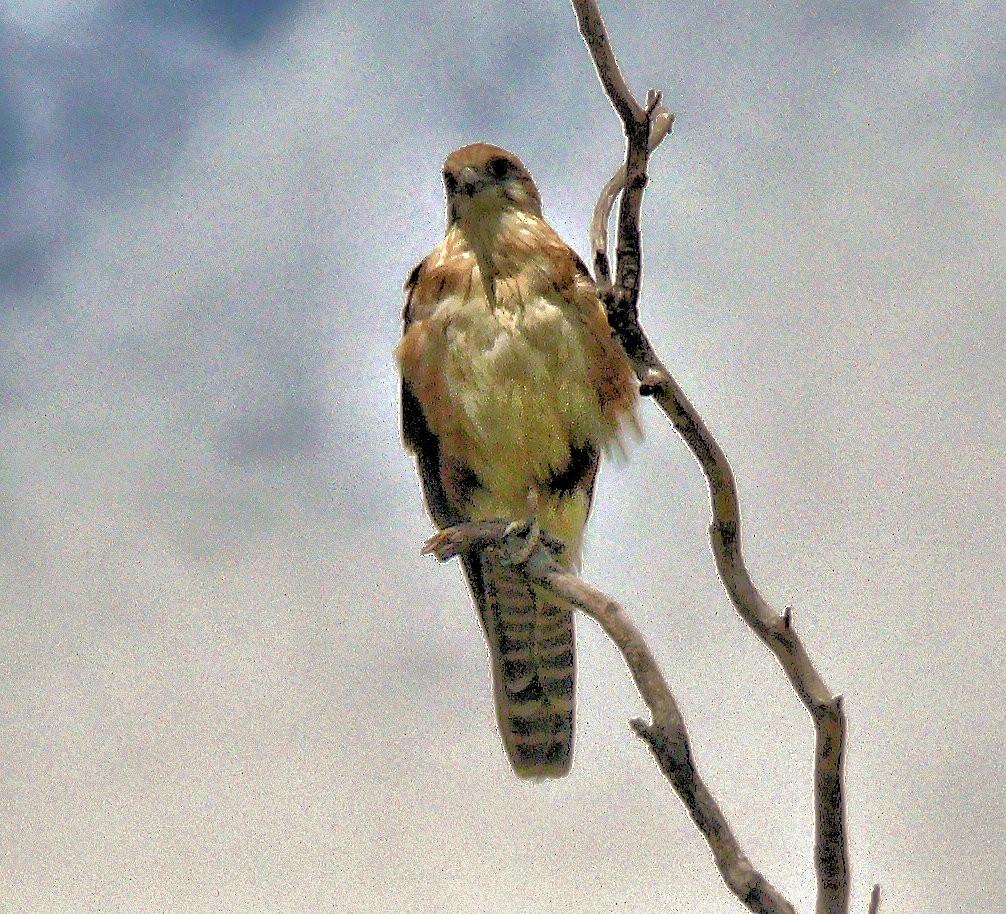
{"points": [[40, 16]]}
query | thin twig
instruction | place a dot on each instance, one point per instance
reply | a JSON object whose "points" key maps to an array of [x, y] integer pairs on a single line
{"points": [[660, 127], [666, 735], [595, 33], [777, 632]]}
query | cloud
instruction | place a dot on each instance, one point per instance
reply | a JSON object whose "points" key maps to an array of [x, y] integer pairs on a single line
{"points": [[99, 104], [239, 23]]}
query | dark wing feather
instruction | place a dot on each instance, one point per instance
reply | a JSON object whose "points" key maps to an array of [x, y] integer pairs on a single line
{"points": [[421, 441], [418, 437], [426, 446]]}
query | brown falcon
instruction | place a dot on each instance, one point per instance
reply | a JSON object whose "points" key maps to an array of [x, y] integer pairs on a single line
{"points": [[512, 387]]}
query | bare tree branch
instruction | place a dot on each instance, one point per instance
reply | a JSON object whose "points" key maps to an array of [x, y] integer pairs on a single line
{"points": [[666, 736], [595, 33], [831, 854], [660, 127]]}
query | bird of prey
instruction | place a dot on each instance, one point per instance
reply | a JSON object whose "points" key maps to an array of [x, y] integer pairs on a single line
{"points": [[512, 387]]}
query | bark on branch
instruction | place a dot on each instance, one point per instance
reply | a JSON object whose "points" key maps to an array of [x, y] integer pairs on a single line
{"points": [[643, 130], [665, 734]]}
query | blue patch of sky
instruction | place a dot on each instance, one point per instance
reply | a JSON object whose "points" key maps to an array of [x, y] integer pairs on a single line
{"points": [[239, 23], [872, 23], [98, 102]]}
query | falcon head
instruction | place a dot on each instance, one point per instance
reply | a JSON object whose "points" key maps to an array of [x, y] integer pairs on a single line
{"points": [[483, 180]]}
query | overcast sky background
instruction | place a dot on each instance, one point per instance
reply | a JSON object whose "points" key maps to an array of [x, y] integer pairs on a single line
{"points": [[230, 683]]}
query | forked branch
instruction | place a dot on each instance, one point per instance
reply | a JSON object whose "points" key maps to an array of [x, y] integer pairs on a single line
{"points": [[776, 631], [666, 735]]}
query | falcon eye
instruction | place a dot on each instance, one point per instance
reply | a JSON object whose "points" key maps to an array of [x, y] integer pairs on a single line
{"points": [[450, 182], [498, 168]]}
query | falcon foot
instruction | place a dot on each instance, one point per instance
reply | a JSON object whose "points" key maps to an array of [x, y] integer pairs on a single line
{"points": [[517, 541], [445, 545], [527, 530]]}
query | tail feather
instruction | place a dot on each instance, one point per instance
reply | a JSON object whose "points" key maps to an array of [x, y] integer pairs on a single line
{"points": [[531, 647]]}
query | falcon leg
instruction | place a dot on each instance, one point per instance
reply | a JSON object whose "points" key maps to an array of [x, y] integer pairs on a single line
{"points": [[528, 529]]}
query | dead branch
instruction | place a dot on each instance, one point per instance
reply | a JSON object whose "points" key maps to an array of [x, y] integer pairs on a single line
{"points": [[666, 735], [660, 126], [621, 301]]}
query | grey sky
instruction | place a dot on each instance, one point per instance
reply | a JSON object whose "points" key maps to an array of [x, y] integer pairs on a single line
{"points": [[228, 681]]}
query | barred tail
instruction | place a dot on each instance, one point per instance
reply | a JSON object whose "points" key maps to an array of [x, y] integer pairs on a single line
{"points": [[531, 647]]}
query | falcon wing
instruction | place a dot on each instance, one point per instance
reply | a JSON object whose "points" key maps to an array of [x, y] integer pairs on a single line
{"points": [[418, 437]]}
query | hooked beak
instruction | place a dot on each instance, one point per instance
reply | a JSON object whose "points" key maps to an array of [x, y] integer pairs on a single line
{"points": [[469, 181]]}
